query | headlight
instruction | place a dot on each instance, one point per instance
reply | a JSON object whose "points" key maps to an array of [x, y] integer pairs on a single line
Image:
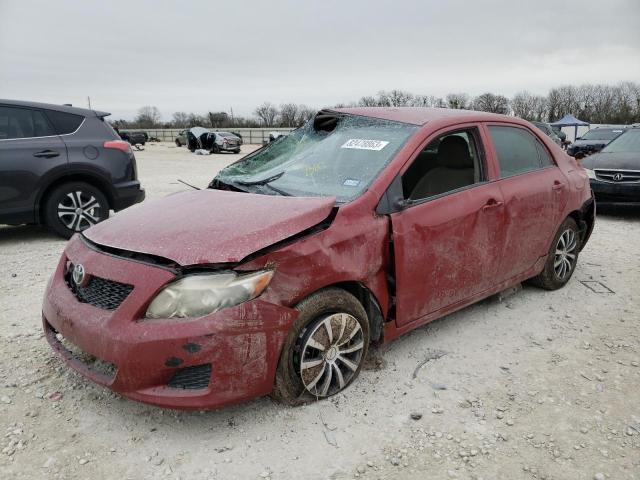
{"points": [[198, 295], [591, 173]]}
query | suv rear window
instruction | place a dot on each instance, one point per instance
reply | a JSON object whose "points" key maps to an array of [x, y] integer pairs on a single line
{"points": [[63, 122]]}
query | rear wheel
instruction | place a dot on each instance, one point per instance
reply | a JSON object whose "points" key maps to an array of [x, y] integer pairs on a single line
{"points": [[325, 349], [73, 207], [562, 257], [178, 144]]}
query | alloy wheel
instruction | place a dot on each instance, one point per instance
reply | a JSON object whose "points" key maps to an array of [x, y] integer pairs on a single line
{"points": [[331, 353], [565, 255], [78, 211]]}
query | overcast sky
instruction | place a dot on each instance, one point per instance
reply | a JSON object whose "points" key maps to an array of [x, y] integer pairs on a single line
{"points": [[209, 55]]}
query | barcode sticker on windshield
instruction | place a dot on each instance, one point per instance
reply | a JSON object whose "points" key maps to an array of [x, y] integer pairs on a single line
{"points": [[363, 144]]}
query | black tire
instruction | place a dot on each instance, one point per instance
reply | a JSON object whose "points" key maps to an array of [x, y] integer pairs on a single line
{"points": [[236, 151], [314, 310], [178, 144], [60, 205], [215, 149], [550, 278]]}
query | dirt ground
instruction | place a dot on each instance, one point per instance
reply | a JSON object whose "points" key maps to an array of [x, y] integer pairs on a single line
{"points": [[538, 385]]}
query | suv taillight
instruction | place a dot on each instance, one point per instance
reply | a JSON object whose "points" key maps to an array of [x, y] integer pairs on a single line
{"points": [[118, 145]]}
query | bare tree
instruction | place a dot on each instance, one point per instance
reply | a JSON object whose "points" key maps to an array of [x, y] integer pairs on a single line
{"points": [[428, 101], [394, 98], [305, 114], [368, 101], [148, 116], [490, 102], [289, 115], [180, 120], [458, 101], [267, 114]]}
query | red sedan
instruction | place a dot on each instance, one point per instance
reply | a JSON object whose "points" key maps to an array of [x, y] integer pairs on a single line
{"points": [[358, 227]]}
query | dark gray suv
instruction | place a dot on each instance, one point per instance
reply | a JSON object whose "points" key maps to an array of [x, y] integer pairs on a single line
{"points": [[62, 166]]}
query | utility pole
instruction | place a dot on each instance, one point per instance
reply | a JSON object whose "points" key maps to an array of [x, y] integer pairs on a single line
{"points": [[89, 102], [232, 122]]}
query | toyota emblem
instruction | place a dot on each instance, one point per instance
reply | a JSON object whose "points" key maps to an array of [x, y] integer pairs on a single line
{"points": [[78, 274], [618, 176]]}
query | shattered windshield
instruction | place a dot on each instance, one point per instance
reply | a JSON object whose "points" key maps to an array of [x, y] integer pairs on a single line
{"points": [[332, 155]]}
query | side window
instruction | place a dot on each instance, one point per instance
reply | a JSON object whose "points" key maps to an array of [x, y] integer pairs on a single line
{"points": [[23, 123], [518, 151], [64, 123], [545, 158], [448, 163], [41, 126]]}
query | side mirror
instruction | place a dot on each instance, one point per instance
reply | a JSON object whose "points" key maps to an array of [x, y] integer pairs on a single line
{"points": [[578, 138]]}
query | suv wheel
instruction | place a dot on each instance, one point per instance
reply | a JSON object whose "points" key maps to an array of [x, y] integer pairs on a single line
{"points": [[73, 207], [178, 144]]}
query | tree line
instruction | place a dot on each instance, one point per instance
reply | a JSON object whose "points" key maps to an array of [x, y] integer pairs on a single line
{"points": [[608, 104]]}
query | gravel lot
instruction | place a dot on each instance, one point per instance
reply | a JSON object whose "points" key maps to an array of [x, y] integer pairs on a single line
{"points": [[536, 385]]}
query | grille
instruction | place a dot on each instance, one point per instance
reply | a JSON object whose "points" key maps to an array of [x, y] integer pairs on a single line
{"points": [[99, 292], [191, 378], [618, 176]]}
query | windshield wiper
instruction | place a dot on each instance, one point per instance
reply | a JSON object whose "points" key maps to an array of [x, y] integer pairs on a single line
{"points": [[264, 181]]}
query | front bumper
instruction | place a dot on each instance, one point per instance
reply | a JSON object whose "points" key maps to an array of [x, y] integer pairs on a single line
{"points": [[615, 193], [240, 345]]}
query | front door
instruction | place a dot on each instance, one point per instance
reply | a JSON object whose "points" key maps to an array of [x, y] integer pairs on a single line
{"points": [[29, 148], [449, 237]]}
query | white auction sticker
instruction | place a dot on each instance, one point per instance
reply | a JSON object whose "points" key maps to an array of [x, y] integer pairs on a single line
{"points": [[364, 144]]}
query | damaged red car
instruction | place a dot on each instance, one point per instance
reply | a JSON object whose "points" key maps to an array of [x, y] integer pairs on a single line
{"points": [[358, 227]]}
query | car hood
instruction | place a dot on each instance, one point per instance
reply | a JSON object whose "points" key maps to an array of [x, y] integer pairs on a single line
{"points": [[613, 160], [209, 226]]}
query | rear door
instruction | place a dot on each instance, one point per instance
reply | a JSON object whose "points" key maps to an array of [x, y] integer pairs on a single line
{"points": [[447, 246], [535, 192], [29, 150]]}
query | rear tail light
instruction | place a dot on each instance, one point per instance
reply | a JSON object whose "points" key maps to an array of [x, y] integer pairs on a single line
{"points": [[118, 145]]}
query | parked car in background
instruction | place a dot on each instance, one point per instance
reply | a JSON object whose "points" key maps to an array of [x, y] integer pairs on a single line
{"points": [[615, 170], [181, 139], [594, 140], [546, 128], [237, 134], [63, 167], [136, 138], [355, 228], [215, 142]]}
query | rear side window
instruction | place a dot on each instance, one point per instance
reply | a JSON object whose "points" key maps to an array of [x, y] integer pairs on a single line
{"points": [[23, 123], [63, 122], [518, 151]]}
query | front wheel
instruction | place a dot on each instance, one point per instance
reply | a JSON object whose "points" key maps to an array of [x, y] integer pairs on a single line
{"points": [[562, 257], [73, 207], [215, 148], [325, 349], [178, 144]]}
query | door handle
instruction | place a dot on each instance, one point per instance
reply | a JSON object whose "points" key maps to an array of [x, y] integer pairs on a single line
{"points": [[558, 185], [492, 203], [47, 154]]}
